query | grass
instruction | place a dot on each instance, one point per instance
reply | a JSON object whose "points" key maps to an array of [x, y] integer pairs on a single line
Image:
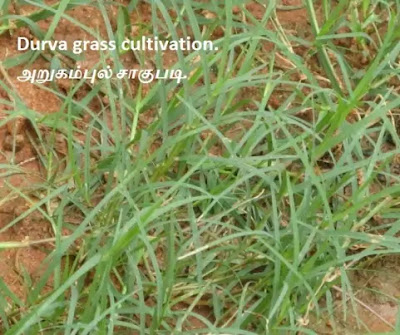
{"points": [[225, 202]]}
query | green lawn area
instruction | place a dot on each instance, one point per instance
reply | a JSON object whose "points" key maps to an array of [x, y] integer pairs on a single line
{"points": [[244, 199]]}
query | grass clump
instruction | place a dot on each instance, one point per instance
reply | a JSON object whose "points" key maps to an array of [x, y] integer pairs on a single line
{"points": [[232, 203]]}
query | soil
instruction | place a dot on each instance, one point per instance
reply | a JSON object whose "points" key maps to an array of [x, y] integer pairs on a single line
{"points": [[15, 263], [17, 136], [376, 290]]}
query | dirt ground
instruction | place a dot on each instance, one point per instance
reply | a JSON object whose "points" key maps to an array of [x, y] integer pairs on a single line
{"points": [[378, 311], [14, 262], [376, 289]]}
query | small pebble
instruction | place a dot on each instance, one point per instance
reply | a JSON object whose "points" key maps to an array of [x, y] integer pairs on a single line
{"points": [[10, 141], [381, 177]]}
